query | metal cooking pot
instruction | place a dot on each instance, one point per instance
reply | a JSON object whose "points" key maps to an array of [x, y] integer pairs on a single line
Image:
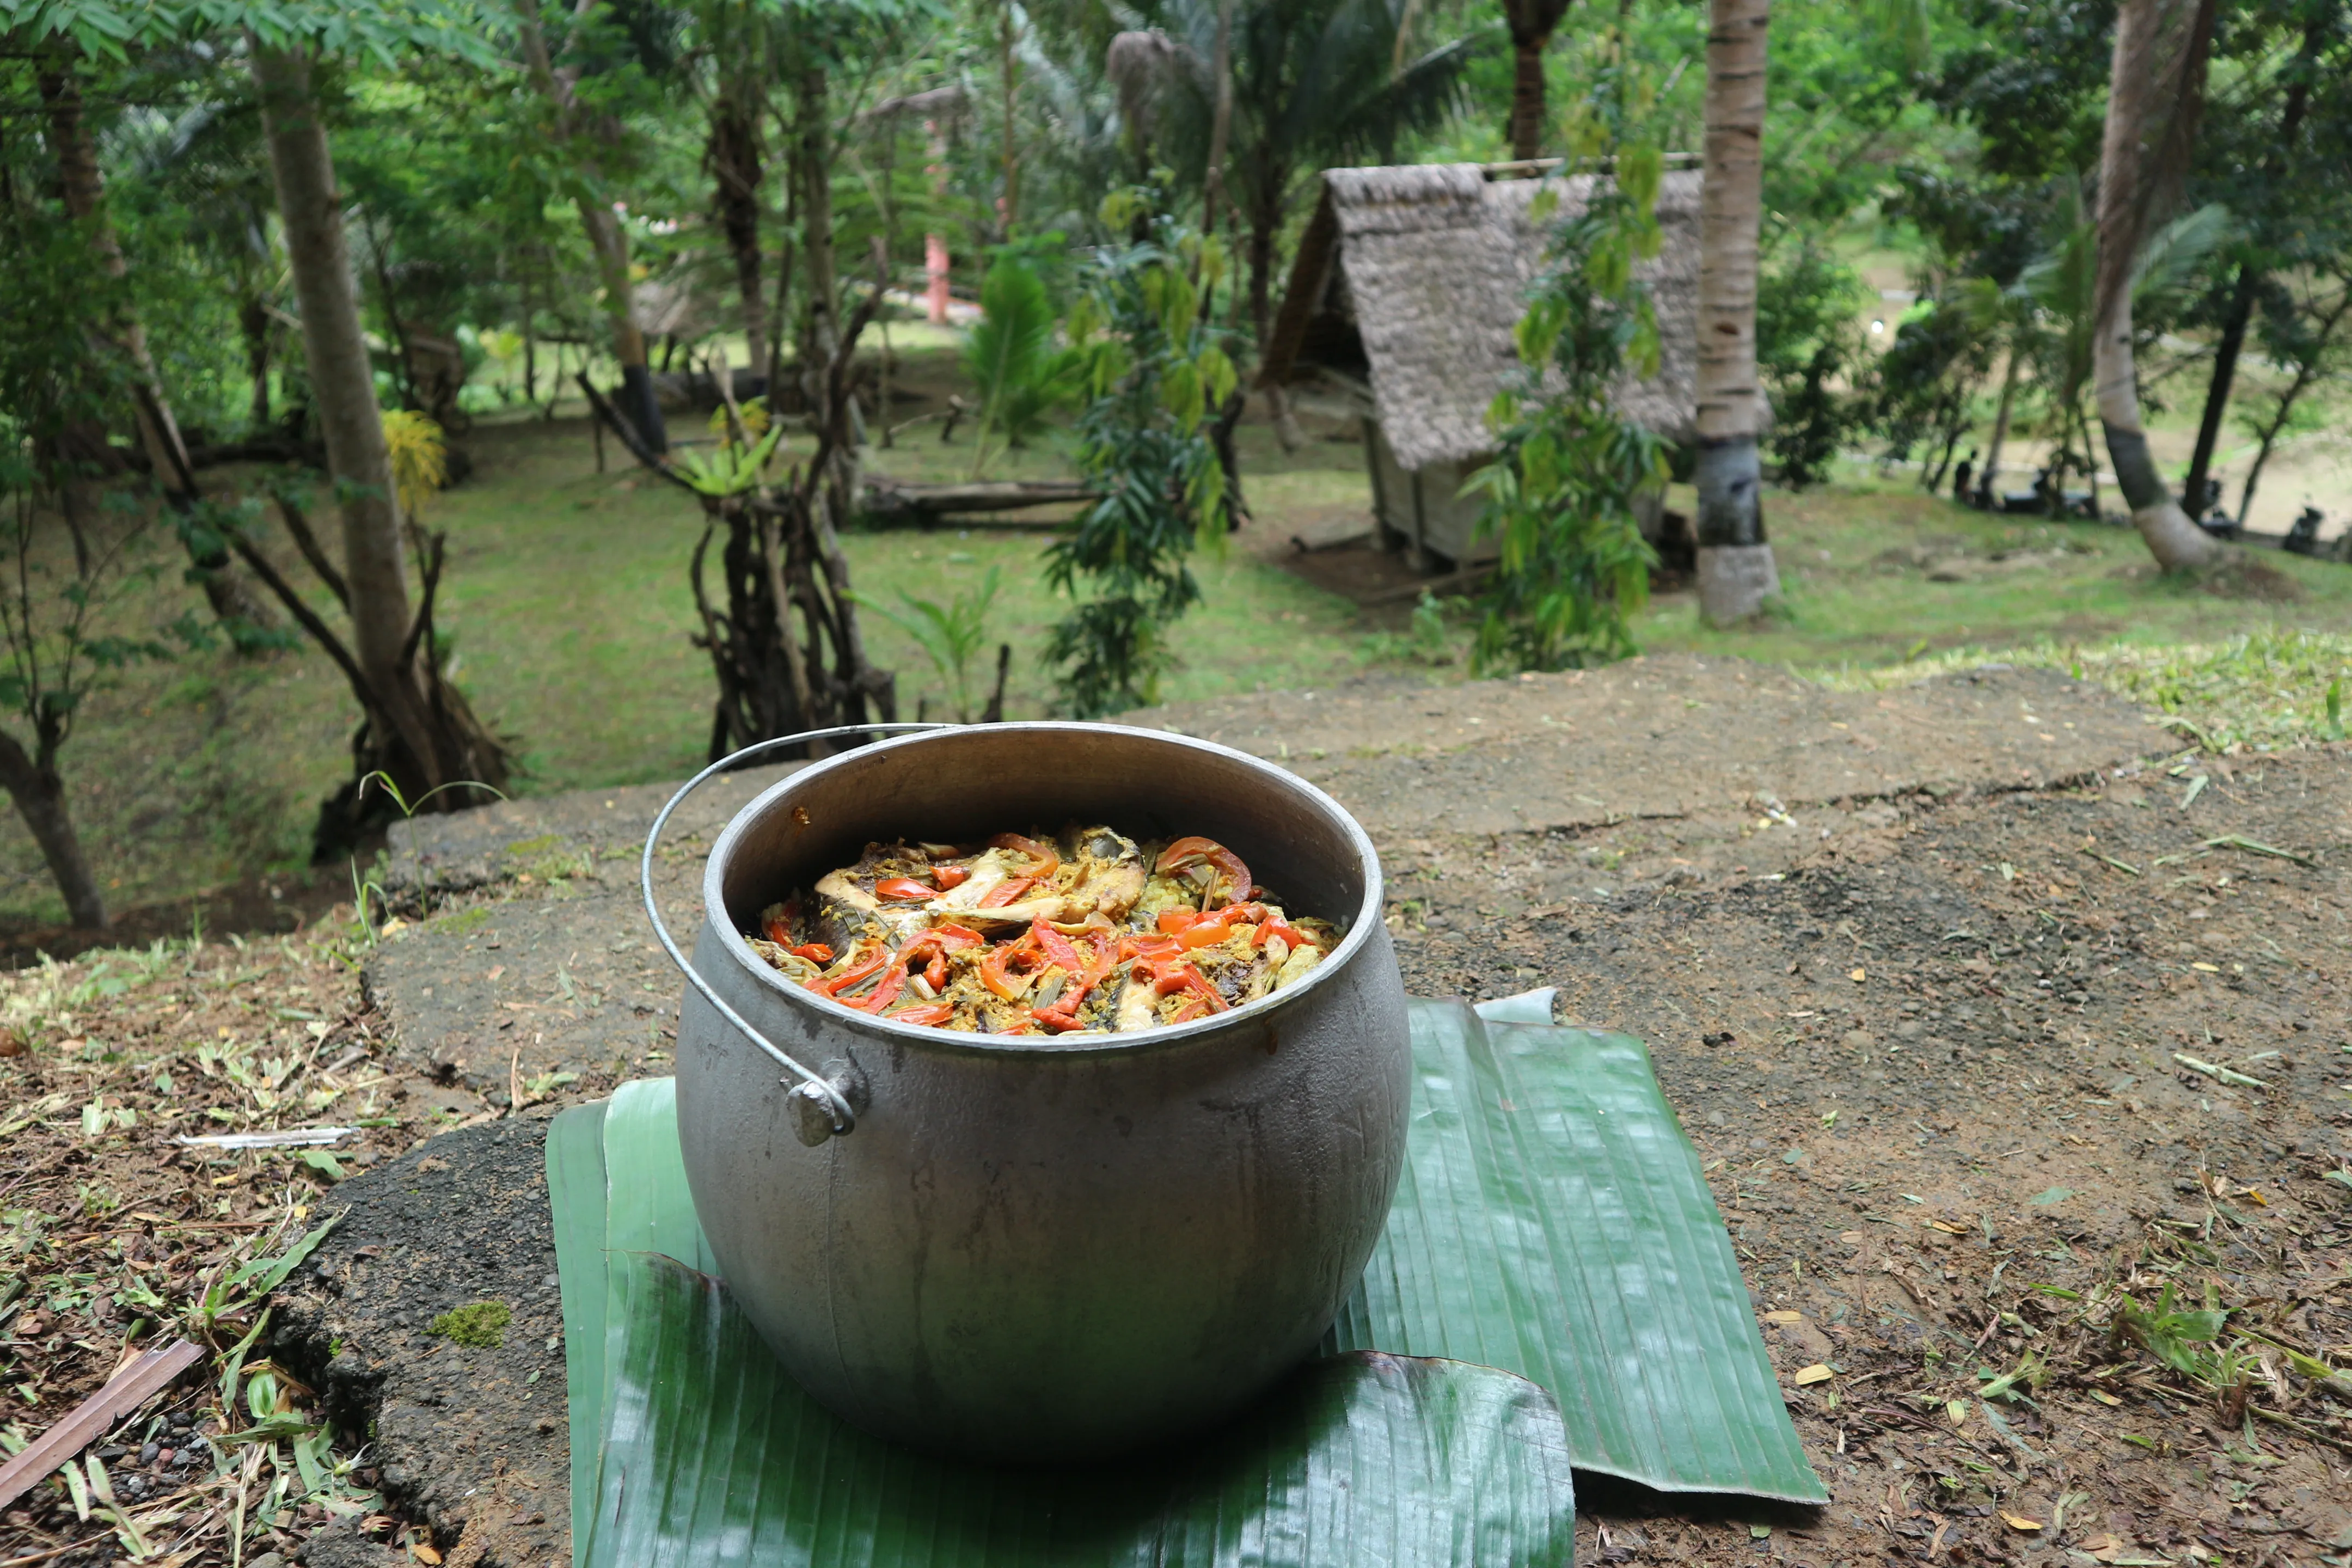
{"points": [[1035, 1249]]}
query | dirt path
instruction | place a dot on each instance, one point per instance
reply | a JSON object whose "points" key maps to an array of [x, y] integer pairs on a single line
{"points": [[1965, 1045]]}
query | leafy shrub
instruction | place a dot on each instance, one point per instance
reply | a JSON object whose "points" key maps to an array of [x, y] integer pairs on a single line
{"points": [[1151, 373]]}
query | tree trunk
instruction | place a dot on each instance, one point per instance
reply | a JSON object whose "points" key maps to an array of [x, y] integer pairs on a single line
{"points": [[736, 174], [1527, 98], [2242, 299], [1991, 476], [2305, 375], [253, 321], [1532, 23], [2217, 391], [1221, 123], [1735, 571], [83, 189], [39, 792], [812, 141], [2156, 59], [606, 239], [1011, 66], [343, 389]]}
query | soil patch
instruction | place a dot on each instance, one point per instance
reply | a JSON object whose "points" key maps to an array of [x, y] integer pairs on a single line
{"points": [[1966, 1056]]}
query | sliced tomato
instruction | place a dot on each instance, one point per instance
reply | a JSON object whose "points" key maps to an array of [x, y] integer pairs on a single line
{"points": [[929, 1013], [901, 890], [1286, 931], [946, 877], [1048, 858], [835, 984], [815, 952], [1010, 968], [1006, 892], [780, 931], [1186, 853]]}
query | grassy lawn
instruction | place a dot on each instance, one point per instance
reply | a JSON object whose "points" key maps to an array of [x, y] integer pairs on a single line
{"points": [[567, 595], [1857, 560]]}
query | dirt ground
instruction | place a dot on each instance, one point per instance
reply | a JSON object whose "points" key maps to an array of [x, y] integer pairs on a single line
{"points": [[1981, 1069]]}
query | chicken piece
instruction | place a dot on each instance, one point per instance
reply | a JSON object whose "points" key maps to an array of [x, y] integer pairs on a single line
{"points": [[1138, 1008], [1105, 877], [847, 911], [1298, 967]]}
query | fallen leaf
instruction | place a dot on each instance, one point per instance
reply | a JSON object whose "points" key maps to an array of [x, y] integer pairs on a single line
{"points": [[1760, 1532], [1817, 1373], [2019, 1521], [2207, 968], [1858, 975], [2104, 1397], [12, 1044], [1784, 1317], [1957, 1411], [2049, 1195], [1947, 1227], [423, 1552]]}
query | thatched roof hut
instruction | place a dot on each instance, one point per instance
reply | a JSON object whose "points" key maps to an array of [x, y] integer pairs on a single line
{"points": [[1406, 288]]}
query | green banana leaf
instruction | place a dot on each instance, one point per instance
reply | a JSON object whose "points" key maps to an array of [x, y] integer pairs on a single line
{"points": [[1553, 1221], [712, 1455]]}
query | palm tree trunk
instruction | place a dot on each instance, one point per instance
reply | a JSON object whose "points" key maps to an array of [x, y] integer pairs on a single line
{"points": [[2144, 47], [342, 390], [83, 187], [1736, 570], [40, 793], [1531, 24]]}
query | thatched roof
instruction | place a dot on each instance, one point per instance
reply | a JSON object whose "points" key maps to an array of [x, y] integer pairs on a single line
{"points": [[1413, 279]]}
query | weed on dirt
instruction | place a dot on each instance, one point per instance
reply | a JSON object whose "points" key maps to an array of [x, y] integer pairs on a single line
{"points": [[120, 1234]]}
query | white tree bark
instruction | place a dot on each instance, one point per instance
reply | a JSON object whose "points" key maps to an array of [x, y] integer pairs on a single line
{"points": [[2158, 51], [1735, 571]]}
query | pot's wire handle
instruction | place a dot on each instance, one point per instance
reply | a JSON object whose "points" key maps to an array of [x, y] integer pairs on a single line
{"points": [[826, 1097]]}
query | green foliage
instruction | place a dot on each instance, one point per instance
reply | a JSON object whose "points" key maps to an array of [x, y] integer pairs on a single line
{"points": [[481, 1326], [1152, 375], [1021, 378], [1573, 567], [950, 635], [110, 29], [728, 468], [1805, 346]]}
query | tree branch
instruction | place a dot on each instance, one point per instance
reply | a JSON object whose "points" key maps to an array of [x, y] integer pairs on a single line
{"points": [[618, 423], [319, 631], [298, 526]]}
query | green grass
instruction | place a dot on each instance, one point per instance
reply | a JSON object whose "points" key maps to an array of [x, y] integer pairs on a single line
{"points": [[567, 596], [1857, 594]]}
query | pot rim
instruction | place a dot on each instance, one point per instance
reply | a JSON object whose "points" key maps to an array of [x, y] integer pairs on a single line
{"points": [[1266, 1009]]}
